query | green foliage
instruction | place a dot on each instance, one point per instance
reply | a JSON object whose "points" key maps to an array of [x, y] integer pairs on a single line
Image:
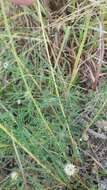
{"points": [[43, 111]]}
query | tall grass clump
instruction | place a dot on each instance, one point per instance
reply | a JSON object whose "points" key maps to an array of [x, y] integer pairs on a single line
{"points": [[52, 95]]}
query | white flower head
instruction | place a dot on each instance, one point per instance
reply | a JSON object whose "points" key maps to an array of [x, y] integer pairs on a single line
{"points": [[5, 65], [19, 102], [80, 139], [70, 169], [14, 175]]}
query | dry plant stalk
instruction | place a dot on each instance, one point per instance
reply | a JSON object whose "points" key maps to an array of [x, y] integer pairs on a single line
{"points": [[101, 56]]}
